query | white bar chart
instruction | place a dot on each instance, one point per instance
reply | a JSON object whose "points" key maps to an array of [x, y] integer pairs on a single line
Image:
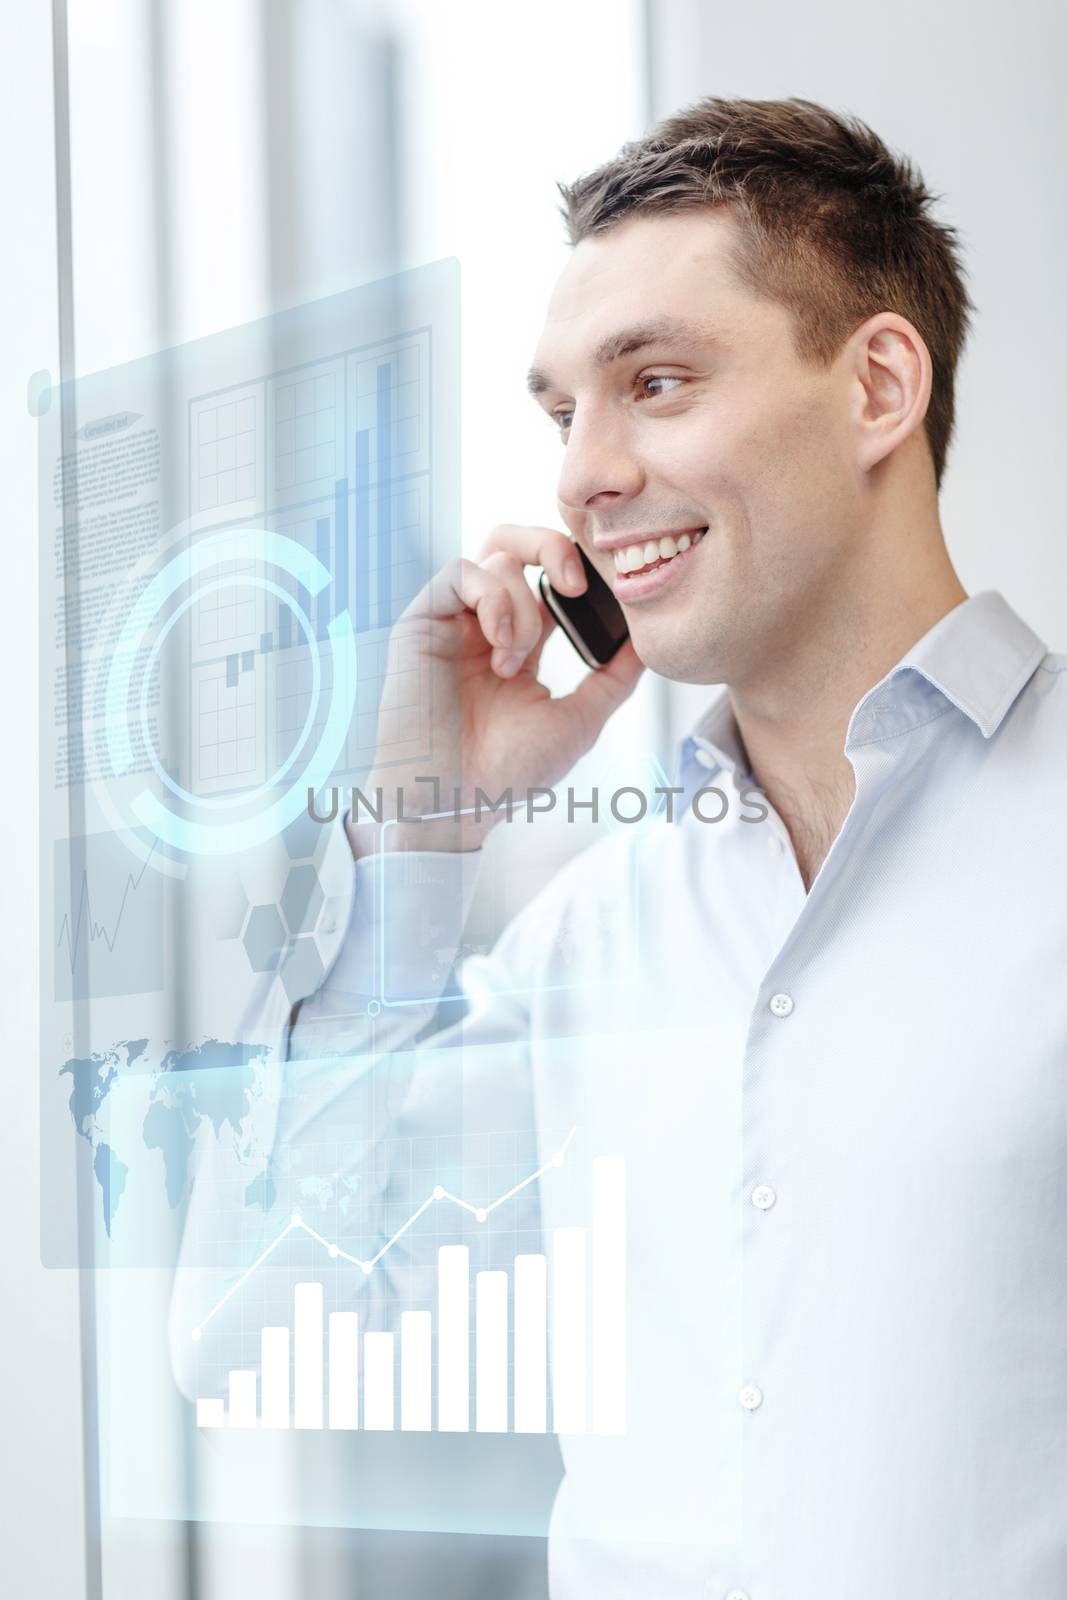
{"points": [[453, 1338], [307, 1360], [609, 1295], [242, 1408], [378, 1381], [531, 1344], [344, 1369], [568, 1330], [545, 1344], [211, 1413], [491, 1352], [416, 1371], [274, 1376]]}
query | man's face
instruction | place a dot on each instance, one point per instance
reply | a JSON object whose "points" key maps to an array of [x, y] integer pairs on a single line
{"points": [[717, 427]]}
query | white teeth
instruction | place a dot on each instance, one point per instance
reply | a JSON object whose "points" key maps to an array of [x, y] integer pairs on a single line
{"points": [[635, 556]]}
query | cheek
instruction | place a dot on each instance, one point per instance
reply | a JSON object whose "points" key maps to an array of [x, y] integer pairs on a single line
{"points": [[712, 459], [772, 480], [791, 459], [811, 427]]}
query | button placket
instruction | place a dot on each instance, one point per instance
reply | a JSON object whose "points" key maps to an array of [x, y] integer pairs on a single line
{"points": [[762, 1197]]}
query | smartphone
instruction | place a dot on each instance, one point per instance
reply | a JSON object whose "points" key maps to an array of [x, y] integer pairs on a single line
{"points": [[593, 620]]}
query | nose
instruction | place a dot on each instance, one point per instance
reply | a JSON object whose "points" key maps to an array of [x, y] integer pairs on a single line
{"points": [[598, 468]]}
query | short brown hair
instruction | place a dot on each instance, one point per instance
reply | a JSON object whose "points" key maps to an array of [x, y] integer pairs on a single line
{"points": [[833, 224]]}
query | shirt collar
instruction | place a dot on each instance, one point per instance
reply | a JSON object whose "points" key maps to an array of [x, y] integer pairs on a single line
{"points": [[978, 657], [714, 742]]}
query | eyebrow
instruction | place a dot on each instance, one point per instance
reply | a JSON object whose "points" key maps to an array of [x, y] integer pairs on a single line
{"points": [[661, 330]]}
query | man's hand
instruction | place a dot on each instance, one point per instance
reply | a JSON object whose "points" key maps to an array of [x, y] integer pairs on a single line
{"points": [[475, 634]]}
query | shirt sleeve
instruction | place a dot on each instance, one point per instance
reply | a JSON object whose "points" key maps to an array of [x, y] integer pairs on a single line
{"points": [[392, 1043], [397, 955]]}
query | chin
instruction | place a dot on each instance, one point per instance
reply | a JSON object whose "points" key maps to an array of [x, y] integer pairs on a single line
{"points": [[677, 659]]}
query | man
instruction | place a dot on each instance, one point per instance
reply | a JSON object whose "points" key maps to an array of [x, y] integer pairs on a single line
{"points": [[831, 1045]]}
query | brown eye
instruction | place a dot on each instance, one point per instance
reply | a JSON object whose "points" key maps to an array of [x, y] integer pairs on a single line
{"points": [[659, 378]]}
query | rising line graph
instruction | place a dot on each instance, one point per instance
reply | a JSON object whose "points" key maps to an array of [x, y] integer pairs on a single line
{"points": [[109, 912], [296, 1224], [95, 930]]}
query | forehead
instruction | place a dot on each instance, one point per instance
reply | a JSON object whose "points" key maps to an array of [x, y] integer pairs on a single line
{"points": [[647, 271]]}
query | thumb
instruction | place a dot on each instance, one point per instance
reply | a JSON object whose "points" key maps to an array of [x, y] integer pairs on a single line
{"points": [[603, 691]]}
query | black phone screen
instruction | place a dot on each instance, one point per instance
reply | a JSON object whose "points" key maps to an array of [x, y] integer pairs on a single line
{"points": [[593, 621]]}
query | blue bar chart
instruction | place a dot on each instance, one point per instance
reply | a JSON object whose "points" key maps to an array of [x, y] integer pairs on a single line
{"points": [[339, 449]]}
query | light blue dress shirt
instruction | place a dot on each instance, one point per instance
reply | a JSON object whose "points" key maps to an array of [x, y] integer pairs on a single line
{"points": [[844, 1120]]}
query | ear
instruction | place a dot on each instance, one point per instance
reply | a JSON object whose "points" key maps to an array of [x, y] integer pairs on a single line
{"points": [[893, 375]]}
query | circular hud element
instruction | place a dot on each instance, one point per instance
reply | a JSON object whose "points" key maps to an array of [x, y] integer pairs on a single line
{"points": [[223, 824]]}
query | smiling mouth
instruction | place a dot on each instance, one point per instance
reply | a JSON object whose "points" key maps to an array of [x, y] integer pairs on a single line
{"points": [[649, 554]]}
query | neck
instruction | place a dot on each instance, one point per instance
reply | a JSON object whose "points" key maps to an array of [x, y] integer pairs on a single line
{"points": [[793, 720]]}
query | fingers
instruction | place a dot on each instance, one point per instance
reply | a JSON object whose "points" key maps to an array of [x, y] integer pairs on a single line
{"points": [[463, 585], [496, 599], [527, 616], [548, 627], [602, 692], [539, 547], [513, 620]]}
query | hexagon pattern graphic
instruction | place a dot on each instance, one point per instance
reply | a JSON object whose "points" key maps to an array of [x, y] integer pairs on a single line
{"points": [[302, 899], [305, 837], [280, 936], [302, 968], [264, 938]]}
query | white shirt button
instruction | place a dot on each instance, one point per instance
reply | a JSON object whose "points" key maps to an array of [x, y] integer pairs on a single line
{"points": [[751, 1397], [763, 1197], [705, 757], [775, 845], [781, 1004], [737, 1594]]}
